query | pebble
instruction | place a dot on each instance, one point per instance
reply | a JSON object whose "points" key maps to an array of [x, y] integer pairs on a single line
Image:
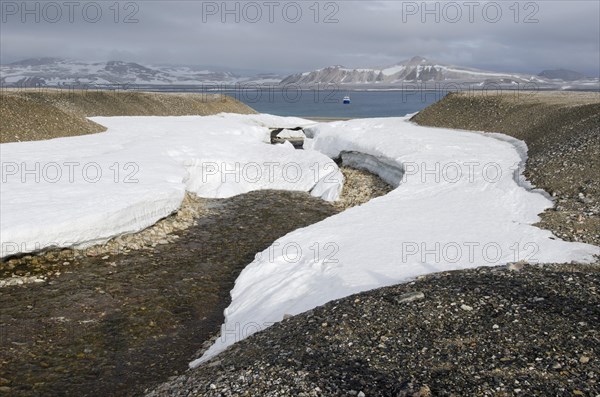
{"points": [[515, 266], [360, 187], [410, 297]]}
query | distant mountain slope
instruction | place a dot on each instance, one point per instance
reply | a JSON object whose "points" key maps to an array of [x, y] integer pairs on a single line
{"points": [[36, 72], [417, 69], [562, 74], [57, 71], [421, 70]]}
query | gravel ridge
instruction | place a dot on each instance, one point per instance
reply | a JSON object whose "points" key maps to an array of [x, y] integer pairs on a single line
{"points": [[38, 114]]}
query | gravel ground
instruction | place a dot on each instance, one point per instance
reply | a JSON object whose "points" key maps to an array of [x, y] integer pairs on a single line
{"points": [[488, 331], [37, 114]]}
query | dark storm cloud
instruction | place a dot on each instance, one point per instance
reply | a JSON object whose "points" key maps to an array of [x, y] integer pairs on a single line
{"points": [[527, 37]]}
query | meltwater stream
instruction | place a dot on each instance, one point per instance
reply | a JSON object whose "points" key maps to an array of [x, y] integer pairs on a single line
{"points": [[119, 325]]}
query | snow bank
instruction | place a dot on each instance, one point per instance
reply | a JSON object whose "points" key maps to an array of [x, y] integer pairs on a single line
{"points": [[287, 134], [460, 204], [387, 169], [84, 190]]}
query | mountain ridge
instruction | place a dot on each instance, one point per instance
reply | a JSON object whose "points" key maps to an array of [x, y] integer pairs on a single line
{"points": [[562, 74], [50, 71], [416, 69]]}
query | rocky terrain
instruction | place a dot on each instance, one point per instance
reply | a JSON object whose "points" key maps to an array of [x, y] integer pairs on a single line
{"points": [[37, 114], [360, 187], [115, 323], [532, 331], [562, 74]]}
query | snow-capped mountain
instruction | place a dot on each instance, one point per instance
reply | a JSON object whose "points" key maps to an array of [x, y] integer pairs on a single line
{"points": [[415, 70], [562, 74], [36, 72], [57, 71]]}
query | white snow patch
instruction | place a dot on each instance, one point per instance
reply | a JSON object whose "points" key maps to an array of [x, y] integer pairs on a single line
{"points": [[291, 134], [84, 190], [433, 221]]}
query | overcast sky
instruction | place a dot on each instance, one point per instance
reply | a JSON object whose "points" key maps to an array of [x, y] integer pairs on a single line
{"points": [[273, 36]]}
